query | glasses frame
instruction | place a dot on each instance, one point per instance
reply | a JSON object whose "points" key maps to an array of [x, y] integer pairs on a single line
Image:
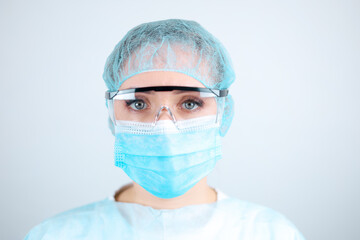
{"points": [[217, 92]]}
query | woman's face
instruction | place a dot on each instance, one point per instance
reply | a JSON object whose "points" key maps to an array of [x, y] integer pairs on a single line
{"points": [[166, 78]]}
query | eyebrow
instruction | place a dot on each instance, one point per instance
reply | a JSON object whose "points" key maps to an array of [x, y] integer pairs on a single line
{"points": [[183, 91], [147, 92], [176, 92], [169, 88], [174, 89]]}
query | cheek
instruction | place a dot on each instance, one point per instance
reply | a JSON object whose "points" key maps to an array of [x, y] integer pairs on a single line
{"points": [[212, 107], [118, 109]]}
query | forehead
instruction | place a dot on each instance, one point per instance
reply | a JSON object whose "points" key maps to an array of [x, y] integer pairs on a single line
{"points": [[160, 78]]}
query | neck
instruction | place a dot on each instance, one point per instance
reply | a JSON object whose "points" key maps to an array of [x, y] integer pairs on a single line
{"points": [[201, 193]]}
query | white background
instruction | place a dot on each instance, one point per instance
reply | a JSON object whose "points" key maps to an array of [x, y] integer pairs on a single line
{"points": [[294, 142]]}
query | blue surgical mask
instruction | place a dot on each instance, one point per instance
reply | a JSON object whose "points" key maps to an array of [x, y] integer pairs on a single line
{"points": [[167, 160]]}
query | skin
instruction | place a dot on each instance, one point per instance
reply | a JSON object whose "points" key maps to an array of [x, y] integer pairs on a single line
{"points": [[201, 193]]}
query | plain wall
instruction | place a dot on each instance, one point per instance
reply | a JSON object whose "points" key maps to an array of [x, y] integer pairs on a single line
{"points": [[294, 142]]}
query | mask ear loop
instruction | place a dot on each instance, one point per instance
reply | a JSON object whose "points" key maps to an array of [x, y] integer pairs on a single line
{"points": [[170, 113]]}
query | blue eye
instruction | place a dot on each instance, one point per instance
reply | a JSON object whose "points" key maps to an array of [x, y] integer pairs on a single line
{"points": [[190, 105], [137, 104]]}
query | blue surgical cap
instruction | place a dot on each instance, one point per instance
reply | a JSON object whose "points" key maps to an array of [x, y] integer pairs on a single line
{"points": [[172, 45]]}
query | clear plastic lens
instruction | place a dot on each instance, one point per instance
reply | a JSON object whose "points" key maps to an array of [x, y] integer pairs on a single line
{"points": [[150, 106], [145, 110]]}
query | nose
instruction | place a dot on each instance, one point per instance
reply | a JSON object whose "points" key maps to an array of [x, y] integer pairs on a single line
{"points": [[165, 114]]}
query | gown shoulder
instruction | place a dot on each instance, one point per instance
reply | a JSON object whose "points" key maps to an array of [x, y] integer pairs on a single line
{"points": [[73, 223]]}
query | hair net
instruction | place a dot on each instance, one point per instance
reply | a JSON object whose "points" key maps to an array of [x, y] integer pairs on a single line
{"points": [[172, 45]]}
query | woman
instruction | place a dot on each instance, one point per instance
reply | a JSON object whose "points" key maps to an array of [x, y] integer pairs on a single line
{"points": [[168, 108]]}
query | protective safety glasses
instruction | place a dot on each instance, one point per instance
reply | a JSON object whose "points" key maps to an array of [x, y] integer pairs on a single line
{"points": [[147, 105]]}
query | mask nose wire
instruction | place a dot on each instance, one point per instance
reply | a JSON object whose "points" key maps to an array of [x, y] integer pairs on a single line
{"points": [[170, 113]]}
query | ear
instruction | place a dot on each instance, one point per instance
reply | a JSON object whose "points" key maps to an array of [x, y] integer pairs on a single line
{"points": [[227, 116]]}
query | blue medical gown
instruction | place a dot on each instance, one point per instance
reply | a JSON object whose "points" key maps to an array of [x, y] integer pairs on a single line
{"points": [[227, 218]]}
